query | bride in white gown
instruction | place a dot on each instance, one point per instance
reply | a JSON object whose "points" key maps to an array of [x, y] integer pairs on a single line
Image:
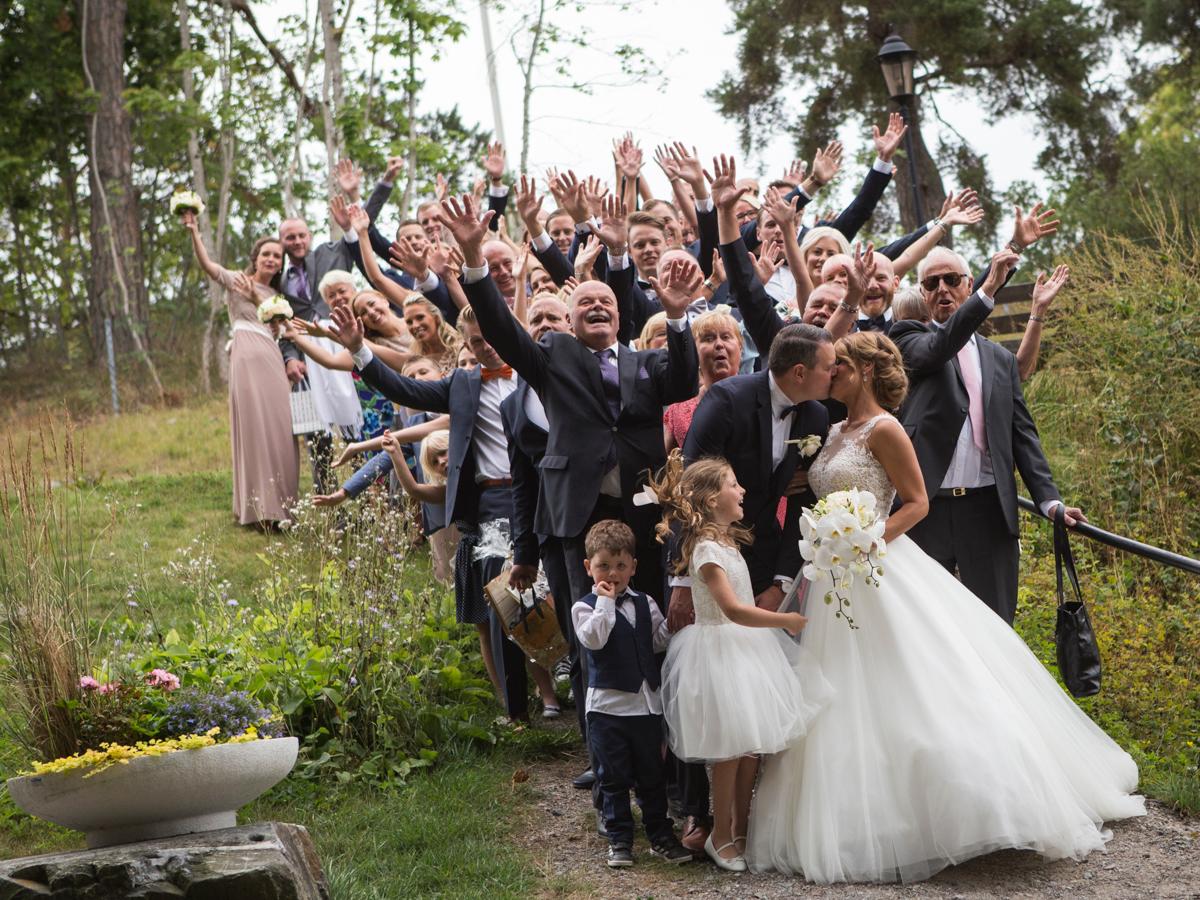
{"points": [[946, 738]]}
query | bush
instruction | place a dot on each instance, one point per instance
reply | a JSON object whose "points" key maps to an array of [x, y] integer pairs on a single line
{"points": [[1116, 405], [348, 636]]}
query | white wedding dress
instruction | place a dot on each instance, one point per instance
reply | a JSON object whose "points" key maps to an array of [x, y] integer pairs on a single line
{"points": [[946, 738]]}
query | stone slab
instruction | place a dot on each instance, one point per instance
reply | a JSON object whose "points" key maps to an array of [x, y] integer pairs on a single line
{"points": [[267, 861]]}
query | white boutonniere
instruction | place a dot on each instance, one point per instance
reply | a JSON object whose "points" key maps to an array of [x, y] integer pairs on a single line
{"points": [[808, 445]]}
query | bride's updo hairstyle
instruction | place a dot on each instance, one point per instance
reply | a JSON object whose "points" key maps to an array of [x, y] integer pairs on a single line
{"points": [[887, 379], [687, 496]]}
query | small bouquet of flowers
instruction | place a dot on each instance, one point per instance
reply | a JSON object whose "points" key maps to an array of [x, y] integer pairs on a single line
{"points": [[276, 311], [184, 200], [843, 537]]}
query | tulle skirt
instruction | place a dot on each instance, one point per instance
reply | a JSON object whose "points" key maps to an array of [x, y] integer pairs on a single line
{"points": [[729, 690], [947, 739]]}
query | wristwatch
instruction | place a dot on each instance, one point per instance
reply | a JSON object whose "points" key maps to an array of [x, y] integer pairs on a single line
{"points": [[847, 307], [708, 284], [1015, 247]]}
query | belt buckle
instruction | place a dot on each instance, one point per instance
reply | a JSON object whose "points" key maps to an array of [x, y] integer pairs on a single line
{"points": [[958, 492]]}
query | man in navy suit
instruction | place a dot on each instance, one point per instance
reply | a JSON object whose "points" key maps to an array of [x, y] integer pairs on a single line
{"points": [[603, 402], [478, 476]]}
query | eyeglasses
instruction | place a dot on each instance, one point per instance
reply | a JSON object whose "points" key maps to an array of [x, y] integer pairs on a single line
{"points": [[952, 280]]}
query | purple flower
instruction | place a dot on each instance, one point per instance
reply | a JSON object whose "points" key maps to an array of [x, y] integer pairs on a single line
{"points": [[88, 683]]}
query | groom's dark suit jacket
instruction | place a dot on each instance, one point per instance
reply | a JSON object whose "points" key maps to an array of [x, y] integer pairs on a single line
{"points": [[583, 432], [937, 405]]}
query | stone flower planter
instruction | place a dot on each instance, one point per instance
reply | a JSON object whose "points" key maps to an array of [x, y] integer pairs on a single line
{"points": [[151, 797]]}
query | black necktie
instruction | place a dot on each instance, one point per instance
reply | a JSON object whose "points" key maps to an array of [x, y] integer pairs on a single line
{"points": [[612, 381]]}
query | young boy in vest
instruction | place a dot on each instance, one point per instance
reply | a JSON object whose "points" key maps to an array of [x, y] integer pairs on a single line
{"points": [[620, 630]]}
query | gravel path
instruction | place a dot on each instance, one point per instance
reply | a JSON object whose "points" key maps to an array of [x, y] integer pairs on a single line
{"points": [[1153, 857]]}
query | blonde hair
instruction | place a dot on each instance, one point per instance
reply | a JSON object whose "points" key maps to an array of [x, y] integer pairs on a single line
{"points": [[684, 493], [909, 304], [435, 442], [888, 381], [447, 335], [714, 320], [824, 231], [656, 321]]}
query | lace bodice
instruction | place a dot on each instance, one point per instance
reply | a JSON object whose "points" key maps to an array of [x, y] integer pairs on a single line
{"points": [[846, 462], [729, 559]]}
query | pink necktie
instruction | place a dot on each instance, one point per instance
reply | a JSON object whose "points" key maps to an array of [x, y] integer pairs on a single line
{"points": [[970, 376]]}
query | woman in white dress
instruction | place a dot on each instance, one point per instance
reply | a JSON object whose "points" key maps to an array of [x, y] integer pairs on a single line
{"points": [[946, 738]]}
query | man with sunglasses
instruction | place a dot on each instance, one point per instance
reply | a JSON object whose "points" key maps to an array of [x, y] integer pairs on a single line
{"points": [[968, 421]]}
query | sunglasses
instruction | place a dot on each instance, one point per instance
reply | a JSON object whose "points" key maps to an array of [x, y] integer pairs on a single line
{"points": [[952, 280]]}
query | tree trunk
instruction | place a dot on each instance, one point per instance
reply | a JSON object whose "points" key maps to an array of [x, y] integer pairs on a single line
{"points": [[116, 281], [332, 97], [410, 89], [535, 45], [933, 193]]}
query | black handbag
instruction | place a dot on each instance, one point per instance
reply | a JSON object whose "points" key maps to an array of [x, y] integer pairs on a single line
{"points": [[1074, 640]]}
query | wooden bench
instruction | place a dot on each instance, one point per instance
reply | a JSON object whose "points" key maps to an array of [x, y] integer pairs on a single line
{"points": [[1006, 324]]}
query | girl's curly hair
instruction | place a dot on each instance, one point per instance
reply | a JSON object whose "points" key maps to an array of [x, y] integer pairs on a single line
{"points": [[687, 496]]}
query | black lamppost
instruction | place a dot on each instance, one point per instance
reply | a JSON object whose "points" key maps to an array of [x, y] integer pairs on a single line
{"points": [[896, 59]]}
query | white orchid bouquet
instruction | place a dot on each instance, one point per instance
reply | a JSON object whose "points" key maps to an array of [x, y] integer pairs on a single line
{"points": [[186, 201], [275, 308], [843, 538]]}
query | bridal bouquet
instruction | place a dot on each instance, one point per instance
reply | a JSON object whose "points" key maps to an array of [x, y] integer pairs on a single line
{"points": [[843, 537], [186, 201], [275, 308]]}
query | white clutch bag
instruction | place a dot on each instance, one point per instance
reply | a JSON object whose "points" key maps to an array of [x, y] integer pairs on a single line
{"points": [[304, 410]]}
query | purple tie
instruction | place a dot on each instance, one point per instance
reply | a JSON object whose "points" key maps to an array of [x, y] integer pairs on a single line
{"points": [[300, 280], [612, 381]]}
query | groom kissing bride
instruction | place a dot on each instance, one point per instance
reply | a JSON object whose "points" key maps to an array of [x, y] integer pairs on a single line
{"points": [[944, 738]]}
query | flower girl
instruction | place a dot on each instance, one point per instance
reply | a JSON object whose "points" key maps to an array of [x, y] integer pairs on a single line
{"points": [[729, 690]]}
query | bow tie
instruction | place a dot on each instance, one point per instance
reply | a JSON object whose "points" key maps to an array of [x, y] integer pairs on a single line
{"points": [[623, 596], [788, 410], [502, 372], [873, 323]]}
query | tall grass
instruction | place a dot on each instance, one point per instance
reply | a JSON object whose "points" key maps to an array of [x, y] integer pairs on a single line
{"points": [[44, 581]]}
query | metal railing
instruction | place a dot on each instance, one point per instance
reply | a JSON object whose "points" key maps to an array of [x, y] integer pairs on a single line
{"points": [[1118, 542]]}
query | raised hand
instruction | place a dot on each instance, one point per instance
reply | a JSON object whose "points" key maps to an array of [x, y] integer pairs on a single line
{"points": [[718, 270], [612, 226], [404, 255], [860, 275], [437, 258], [794, 174], [769, 259], [628, 156], [1031, 227], [441, 188], [304, 327], [188, 218], [244, 286], [594, 192], [551, 178], [395, 164], [348, 177], [1046, 289], [679, 286], [570, 189], [585, 258], [827, 162], [348, 328], [529, 204], [1002, 263], [690, 169], [666, 162], [961, 209], [493, 162], [723, 183], [782, 211], [468, 227], [357, 218], [887, 142], [389, 442], [338, 212]]}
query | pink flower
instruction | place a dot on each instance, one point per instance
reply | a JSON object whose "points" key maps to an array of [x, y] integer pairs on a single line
{"points": [[110, 688], [88, 683], [163, 679]]}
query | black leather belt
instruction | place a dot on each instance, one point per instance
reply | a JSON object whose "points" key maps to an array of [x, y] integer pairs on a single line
{"points": [[965, 492]]}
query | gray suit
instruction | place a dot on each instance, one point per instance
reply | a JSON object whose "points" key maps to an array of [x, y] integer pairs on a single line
{"points": [[974, 533]]}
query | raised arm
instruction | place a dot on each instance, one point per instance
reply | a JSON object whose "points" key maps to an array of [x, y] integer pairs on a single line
{"points": [[298, 335], [394, 292], [211, 269], [426, 493], [678, 370], [959, 209]]}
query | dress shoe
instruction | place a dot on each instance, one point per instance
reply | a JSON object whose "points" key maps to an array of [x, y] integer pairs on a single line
{"points": [[584, 780], [694, 836], [737, 864]]}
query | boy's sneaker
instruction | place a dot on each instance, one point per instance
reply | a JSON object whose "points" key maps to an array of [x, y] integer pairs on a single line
{"points": [[619, 857], [672, 851]]}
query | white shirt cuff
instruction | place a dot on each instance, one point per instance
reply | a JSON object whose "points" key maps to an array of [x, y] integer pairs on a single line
{"points": [[351, 236], [541, 243], [604, 604], [385, 183], [683, 581], [883, 167], [1048, 507], [429, 283], [498, 190], [988, 301], [617, 263], [704, 204], [803, 193], [678, 324], [586, 226], [784, 581], [471, 274], [362, 356]]}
